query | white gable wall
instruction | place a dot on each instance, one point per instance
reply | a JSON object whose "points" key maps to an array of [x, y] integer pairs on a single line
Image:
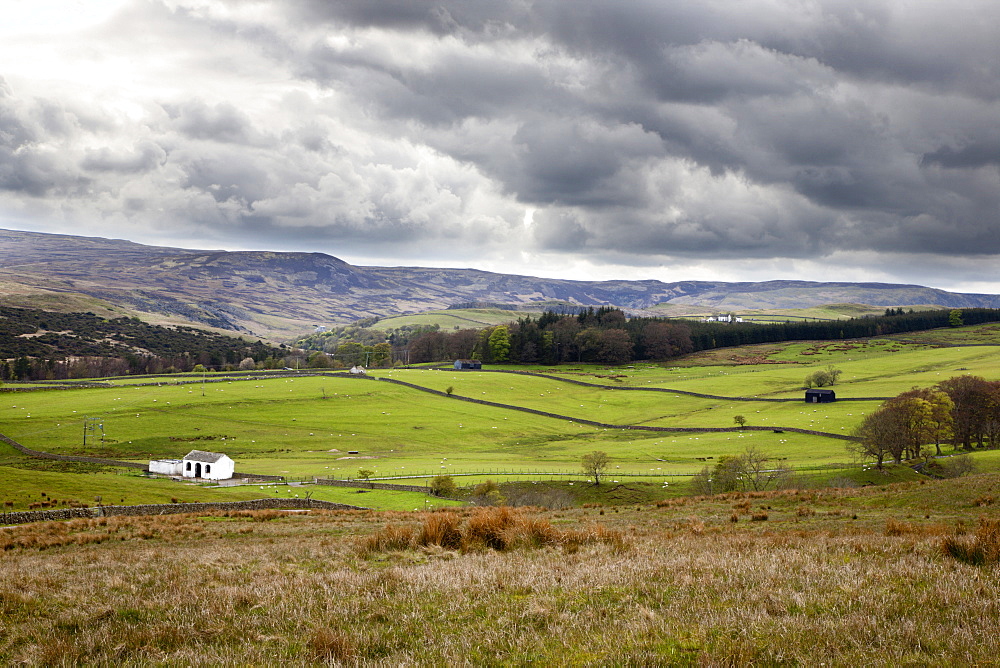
{"points": [[222, 469]]}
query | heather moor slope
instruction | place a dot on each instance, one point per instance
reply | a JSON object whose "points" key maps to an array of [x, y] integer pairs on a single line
{"points": [[281, 294]]}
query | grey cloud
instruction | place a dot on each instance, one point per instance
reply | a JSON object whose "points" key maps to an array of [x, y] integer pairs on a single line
{"points": [[144, 157], [972, 155], [27, 163], [635, 129], [221, 122]]}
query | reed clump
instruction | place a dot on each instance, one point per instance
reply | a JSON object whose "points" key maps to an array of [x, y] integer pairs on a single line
{"points": [[497, 528], [979, 549]]}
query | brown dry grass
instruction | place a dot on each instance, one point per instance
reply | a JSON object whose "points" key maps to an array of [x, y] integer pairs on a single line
{"points": [[675, 584], [981, 548], [497, 528]]}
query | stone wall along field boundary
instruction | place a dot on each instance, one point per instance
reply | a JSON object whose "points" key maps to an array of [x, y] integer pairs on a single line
{"points": [[359, 484], [26, 516]]}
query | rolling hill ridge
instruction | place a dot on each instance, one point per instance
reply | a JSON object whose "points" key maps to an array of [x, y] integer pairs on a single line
{"points": [[281, 294]]}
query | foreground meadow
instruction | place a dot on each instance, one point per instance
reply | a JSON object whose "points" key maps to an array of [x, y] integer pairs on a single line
{"points": [[838, 577]]}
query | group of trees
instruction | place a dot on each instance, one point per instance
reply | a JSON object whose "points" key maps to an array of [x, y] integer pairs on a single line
{"points": [[823, 377], [963, 410], [602, 335], [605, 335], [708, 335]]}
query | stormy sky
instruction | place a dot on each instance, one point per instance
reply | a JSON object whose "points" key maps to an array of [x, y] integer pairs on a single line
{"points": [[667, 139]]}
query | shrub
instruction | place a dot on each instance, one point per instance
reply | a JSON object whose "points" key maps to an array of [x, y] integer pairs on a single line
{"points": [[956, 467], [443, 485], [487, 494], [894, 527]]}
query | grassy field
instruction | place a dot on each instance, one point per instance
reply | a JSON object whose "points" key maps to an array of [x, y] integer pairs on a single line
{"points": [[821, 577], [846, 566], [307, 426]]}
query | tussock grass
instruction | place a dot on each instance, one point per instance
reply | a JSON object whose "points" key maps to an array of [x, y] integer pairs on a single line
{"points": [[499, 528], [978, 549], [654, 586]]}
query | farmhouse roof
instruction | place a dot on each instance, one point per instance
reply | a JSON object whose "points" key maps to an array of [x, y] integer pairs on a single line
{"points": [[202, 456]]}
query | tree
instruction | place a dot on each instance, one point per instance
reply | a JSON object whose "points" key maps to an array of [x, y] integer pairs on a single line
{"points": [[381, 354], [703, 482], [757, 470], [319, 360], [594, 464], [499, 344], [740, 421], [751, 470], [823, 377], [661, 340], [882, 434], [366, 474], [443, 485], [614, 346], [247, 364], [351, 353], [929, 417], [955, 318], [972, 399]]}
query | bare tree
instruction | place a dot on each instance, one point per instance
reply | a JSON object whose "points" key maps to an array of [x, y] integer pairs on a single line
{"points": [[882, 434]]}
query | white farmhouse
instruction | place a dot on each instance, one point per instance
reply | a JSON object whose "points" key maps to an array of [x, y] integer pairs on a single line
{"points": [[207, 465]]}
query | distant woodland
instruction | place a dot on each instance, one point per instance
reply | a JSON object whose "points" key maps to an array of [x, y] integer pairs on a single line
{"points": [[604, 335], [44, 345]]}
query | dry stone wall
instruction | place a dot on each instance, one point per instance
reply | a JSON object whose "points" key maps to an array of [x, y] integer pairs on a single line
{"points": [[24, 517], [372, 485]]}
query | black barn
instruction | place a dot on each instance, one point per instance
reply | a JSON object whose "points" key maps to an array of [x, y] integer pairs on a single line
{"points": [[820, 396]]}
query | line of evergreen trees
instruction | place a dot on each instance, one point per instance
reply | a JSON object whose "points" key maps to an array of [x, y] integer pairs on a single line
{"points": [[605, 335]]}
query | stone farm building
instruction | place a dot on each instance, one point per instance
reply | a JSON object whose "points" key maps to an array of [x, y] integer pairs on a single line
{"points": [[196, 464], [468, 364]]}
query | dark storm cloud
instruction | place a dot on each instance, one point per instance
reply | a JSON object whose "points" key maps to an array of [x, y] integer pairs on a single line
{"points": [[796, 101], [700, 130]]}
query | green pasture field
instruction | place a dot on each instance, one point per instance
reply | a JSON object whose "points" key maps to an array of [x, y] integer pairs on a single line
{"points": [[305, 426], [25, 481]]}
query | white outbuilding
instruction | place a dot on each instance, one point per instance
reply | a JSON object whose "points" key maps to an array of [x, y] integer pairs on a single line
{"points": [[166, 466], [207, 465]]}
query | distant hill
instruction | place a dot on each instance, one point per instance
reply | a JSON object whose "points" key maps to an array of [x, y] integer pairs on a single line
{"points": [[282, 294]]}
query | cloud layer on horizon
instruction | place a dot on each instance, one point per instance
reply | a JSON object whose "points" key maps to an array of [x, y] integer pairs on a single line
{"points": [[644, 134]]}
